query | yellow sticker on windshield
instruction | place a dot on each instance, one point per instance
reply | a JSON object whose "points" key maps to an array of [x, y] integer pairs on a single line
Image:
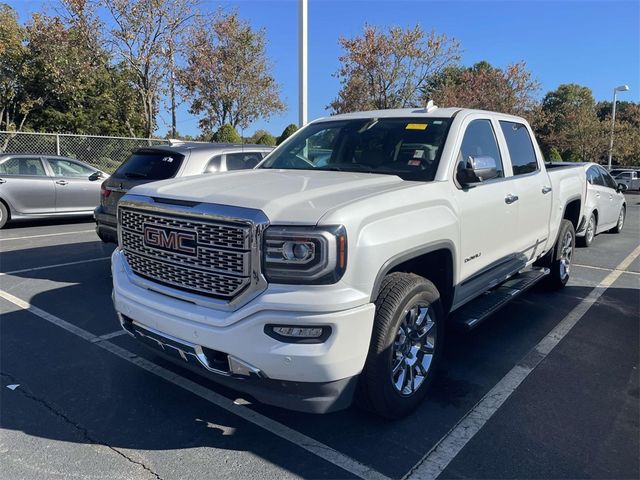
{"points": [[416, 126]]}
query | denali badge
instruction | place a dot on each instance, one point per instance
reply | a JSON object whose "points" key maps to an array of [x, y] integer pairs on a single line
{"points": [[179, 241]]}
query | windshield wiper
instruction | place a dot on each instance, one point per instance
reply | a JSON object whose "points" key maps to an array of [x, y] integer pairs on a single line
{"points": [[135, 175]]}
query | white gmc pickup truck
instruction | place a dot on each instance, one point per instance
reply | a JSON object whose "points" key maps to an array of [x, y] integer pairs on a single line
{"points": [[334, 268]]}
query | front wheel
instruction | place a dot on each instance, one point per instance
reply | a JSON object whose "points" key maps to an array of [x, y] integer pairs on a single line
{"points": [[562, 257], [4, 215], [406, 346]]}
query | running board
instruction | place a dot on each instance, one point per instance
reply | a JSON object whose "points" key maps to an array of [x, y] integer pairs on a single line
{"points": [[470, 315]]}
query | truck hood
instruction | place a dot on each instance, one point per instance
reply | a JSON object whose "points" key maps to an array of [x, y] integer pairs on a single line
{"points": [[295, 197]]}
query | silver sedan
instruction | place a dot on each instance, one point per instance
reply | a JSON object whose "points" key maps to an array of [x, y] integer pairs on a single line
{"points": [[35, 186]]}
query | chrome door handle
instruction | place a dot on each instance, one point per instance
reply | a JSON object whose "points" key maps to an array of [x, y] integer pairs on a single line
{"points": [[62, 182], [597, 195], [2, 180], [546, 190], [509, 199]]}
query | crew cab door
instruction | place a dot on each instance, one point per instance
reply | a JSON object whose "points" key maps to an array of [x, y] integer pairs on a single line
{"points": [[530, 186], [488, 220]]}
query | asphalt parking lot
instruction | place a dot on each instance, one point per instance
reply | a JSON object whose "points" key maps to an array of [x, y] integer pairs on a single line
{"points": [[546, 388]]}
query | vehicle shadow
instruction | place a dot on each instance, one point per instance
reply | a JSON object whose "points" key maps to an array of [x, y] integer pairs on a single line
{"points": [[44, 222], [127, 407]]}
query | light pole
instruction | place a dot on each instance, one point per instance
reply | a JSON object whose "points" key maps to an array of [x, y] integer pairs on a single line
{"points": [[302, 62], [621, 88]]}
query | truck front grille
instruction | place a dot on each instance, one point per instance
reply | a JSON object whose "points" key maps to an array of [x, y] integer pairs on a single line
{"points": [[210, 258]]}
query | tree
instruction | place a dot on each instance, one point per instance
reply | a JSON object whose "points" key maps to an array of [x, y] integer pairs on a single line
{"points": [[226, 76], [626, 145], [287, 132], [388, 69], [485, 87], [571, 124], [226, 134], [16, 102], [142, 29], [262, 137]]}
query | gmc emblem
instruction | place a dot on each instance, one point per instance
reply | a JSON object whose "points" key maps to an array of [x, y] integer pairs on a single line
{"points": [[178, 241]]}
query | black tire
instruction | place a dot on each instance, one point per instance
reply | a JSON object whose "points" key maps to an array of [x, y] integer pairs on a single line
{"points": [[401, 293], [588, 237], [4, 215], [560, 265], [621, 218]]}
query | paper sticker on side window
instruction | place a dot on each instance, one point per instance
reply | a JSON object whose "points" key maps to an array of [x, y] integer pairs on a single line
{"points": [[167, 159]]}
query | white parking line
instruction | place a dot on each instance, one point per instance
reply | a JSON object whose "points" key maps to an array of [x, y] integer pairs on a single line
{"points": [[443, 452], [315, 447], [108, 336], [46, 235], [46, 267], [604, 269]]}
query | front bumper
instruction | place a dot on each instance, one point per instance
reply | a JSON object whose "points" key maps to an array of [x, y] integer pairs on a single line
{"points": [[316, 378]]}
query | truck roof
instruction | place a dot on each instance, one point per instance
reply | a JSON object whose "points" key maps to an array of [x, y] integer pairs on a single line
{"points": [[418, 112]]}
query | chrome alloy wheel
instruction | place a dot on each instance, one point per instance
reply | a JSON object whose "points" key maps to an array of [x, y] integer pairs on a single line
{"points": [[591, 230], [565, 255], [413, 349], [621, 219]]}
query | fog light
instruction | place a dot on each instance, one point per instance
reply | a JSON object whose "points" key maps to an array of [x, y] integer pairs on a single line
{"points": [[297, 334]]}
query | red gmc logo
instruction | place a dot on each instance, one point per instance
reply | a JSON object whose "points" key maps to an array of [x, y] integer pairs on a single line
{"points": [[171, 240]]}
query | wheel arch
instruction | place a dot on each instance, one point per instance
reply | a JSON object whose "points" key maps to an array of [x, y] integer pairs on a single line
{"points": [[435, 262]]}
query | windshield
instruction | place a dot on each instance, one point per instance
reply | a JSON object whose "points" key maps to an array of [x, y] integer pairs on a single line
{"points": [[407, 147], [150, 165]]}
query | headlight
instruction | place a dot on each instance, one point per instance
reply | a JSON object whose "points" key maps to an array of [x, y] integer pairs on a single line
{"points": [[316, 255]]}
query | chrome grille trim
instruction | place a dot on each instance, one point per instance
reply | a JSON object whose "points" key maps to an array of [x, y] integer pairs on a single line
{"points": [[225, 274]]}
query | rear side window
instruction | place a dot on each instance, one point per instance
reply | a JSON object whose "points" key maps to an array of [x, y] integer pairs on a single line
{"points": [[150, 165], [523, 156], [243, 160], [594, 177], [23, 166]]}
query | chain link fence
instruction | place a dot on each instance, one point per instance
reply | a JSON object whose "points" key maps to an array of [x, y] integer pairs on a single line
{"points": [[104, 153]]}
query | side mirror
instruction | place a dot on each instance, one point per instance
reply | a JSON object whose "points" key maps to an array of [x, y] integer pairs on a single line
{"points": [[622, 188], [477, 169], [95, 176]]}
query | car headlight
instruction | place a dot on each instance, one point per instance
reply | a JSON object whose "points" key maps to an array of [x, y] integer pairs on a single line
{"points": [[311, 255]]}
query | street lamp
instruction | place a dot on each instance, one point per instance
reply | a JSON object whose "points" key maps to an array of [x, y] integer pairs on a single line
{"points": [[621, 88]]}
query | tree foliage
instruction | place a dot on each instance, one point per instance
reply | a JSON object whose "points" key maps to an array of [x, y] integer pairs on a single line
{"points": [[484, 87], [226, 134], [388, 69], [262, 137], [143, 38], [287, 132], [227, 75]]}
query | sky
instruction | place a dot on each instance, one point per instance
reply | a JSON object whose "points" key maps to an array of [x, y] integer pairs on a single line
{"points": [[592, 43]]}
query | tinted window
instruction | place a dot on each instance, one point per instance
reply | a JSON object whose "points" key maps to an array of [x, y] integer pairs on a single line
{"points": [[407, 147], [608, 180], [523, 156], [243, 160], [150, 165], [67, 168], [22, 166], [479, 140], [594, 177]]}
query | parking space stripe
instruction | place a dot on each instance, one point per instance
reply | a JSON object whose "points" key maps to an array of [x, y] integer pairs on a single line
{"points": [[46, 267], [448, 447], [311, 445], [109, 336], [46, 235], [604, 269]]}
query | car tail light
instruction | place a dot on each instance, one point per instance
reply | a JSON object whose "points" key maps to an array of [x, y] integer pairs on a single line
{"points": [[104, 191]]}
